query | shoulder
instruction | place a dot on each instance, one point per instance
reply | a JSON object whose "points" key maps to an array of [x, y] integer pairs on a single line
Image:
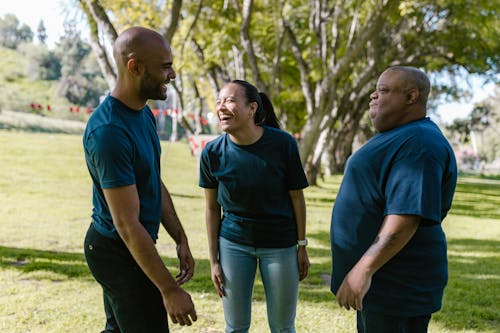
{"points": [[106, 136], [102, 116], [215, 146], [426, 133], [278, 134], [425, 138], [216, 143]]}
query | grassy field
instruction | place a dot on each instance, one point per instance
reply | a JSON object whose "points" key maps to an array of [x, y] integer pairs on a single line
{"points": [[45, 196]]}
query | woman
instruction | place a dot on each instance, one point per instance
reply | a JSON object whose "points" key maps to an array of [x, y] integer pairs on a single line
{"points": [[254, 173]]}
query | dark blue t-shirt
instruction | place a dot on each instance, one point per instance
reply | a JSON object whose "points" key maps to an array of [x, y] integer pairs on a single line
{"points": [[122, 148], [407, 170], [252, 183]]}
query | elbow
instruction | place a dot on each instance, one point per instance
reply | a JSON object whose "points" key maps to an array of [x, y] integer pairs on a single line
{"points": [[124, 227]]}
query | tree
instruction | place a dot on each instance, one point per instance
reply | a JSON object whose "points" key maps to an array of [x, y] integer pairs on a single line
{"points": [[81, 82], [12, 33], [127, 13], [43, 65], [41, 32], [319, 59], [479, 130]]}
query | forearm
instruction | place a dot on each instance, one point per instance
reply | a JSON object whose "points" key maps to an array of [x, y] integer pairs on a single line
{"points": [[299, 209], [213, 220], [143, 250], [124, 206], [395, 233], [169, 218]]}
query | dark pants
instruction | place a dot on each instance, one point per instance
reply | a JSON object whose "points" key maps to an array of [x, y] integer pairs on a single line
{"points": [[132, 302], [370, 322]]}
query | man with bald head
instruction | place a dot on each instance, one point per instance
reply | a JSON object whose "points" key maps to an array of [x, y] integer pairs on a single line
{"points": [[388, 247], [122, 152]]}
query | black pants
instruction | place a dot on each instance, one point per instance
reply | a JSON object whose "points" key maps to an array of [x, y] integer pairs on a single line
{"points": [[132, 302], [370, 322]]}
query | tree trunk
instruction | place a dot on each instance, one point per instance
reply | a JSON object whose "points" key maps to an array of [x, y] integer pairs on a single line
{"points": [[96, 16]]}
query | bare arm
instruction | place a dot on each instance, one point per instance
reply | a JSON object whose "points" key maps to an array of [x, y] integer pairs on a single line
{"points": [[124, 206], [395, 233], [299, 209], [213, 220], [172, 224]]}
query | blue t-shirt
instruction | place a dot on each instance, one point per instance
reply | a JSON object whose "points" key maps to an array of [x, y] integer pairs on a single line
{"points": [[122, 148], [252, 183], [407, 170]]}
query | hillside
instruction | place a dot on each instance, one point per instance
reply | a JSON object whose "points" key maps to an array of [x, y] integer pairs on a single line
{"points": [[19, 92]]}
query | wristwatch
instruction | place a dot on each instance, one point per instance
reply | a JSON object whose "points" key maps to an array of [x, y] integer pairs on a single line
{"points": [[302, 242]]}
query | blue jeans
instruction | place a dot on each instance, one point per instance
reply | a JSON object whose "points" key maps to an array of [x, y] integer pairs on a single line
{"points": [[280, 276]]}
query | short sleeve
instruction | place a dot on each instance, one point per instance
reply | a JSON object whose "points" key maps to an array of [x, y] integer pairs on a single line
{"points": [[296, 178], [111, 153], [413, 187], [207, 179]]}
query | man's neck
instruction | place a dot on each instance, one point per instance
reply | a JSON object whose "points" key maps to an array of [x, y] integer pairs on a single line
{"points": [[128, 98]]}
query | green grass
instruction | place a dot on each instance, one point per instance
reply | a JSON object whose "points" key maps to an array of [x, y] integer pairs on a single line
{"points": [[46, 286]]}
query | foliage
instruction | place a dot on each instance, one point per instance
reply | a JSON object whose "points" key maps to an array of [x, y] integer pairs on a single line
{"points": [[80, 82], [22, 93], [46, 286], [30, 71], [475, 138], [318, 60], [41, 32], [12, 33], [43, 63], [490, 148]]}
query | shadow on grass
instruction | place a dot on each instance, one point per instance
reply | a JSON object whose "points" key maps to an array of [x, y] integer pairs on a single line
{"points": [[71, 265], [67, 265], [477, 199], [472, 297], [471, 301]]}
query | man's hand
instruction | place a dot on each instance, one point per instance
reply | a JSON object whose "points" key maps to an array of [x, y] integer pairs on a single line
{"points": [[179, 306], [395, 232], [353, 289], [303, 262], [217, 278], [186, 263]]}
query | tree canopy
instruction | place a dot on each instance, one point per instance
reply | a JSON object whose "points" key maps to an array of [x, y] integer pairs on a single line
{"points": [[317, 59], [12, 33]]}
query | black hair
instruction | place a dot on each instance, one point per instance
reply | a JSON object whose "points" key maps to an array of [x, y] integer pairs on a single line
{"points": [[265, 111]]}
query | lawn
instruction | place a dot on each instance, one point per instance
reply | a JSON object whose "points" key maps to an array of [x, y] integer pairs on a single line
{"points": [[45, 285]]}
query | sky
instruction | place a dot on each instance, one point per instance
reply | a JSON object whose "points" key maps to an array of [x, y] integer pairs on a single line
{"points": [[54, 13]]}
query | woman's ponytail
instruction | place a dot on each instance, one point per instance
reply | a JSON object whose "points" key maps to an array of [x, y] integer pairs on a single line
{"points": [[265, 111]]}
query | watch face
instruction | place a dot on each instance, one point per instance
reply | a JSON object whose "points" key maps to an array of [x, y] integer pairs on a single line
{"points": [[302, 242]]}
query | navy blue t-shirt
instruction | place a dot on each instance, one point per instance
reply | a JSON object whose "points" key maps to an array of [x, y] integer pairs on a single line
{"points": [[252, 183], [409, 170], [122, 148]]}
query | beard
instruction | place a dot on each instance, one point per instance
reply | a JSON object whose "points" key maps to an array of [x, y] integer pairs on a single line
{"points": [[152, 89]]}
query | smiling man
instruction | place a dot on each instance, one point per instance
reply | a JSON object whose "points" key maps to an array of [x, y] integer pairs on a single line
{"points": [[122, 151], [388, 247]]}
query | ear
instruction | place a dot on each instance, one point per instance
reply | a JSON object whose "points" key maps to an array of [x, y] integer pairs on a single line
{"points": [[133, 66], [412, 96], [253, 107]]}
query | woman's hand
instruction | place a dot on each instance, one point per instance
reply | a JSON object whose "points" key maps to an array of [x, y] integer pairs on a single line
{"points": [[217, 278]]}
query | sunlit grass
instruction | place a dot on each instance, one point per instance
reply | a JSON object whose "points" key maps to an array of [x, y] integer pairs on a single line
{"points": [[45, 193]]}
